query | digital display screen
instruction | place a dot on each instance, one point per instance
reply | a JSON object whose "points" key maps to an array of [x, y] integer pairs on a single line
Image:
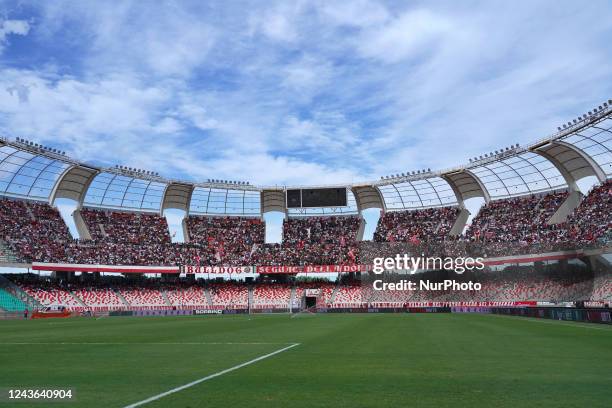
{"points": [[317, 197]]}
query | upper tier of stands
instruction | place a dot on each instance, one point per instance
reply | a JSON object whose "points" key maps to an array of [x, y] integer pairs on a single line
{"points": [[431, 224], [126, 227], [225, 240], [36, 232], [313, 241]]}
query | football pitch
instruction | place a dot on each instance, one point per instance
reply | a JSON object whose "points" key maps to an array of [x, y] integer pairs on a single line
{"points": [[323, 360]]}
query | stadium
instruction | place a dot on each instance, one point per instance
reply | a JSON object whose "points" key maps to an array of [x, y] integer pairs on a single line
{"points": [[486, 281]]}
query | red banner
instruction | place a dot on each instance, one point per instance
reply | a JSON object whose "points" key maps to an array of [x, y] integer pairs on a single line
{"points": [[312, 269]]}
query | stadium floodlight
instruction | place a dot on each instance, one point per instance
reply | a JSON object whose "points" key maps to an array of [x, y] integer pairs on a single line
{"points": [[600, 107], [609, 101], [590, 113], [575, 121], [605, 104]]}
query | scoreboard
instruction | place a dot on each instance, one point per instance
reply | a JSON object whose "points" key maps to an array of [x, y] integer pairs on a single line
{"points": [[316, 197]]}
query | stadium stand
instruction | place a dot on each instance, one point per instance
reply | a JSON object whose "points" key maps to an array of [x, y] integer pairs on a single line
{"points": [[140, 297], [34, 231], [53, 295], [126, 227], [271, 295], [229, 295], [591, 223], [225, 240], [187, 296], [10, 303], [431, 224], [99, 298], [517, 225], [330, 240], [513, 284]]}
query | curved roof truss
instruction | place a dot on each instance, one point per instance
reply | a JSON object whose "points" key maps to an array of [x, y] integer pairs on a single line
{"points": [[519, 174], [119, 191], [417, 193], [28, 175], [581, 149]]}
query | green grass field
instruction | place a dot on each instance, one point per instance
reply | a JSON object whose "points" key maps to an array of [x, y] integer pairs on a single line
{"points": [[345, 360]]}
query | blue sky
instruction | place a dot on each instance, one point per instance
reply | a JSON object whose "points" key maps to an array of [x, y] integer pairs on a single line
{"points": [[300, 92]]}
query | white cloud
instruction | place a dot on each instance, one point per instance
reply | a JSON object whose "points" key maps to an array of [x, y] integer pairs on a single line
{"points": [[12, 27], [300, 93], [409, 35], [359, 13]]}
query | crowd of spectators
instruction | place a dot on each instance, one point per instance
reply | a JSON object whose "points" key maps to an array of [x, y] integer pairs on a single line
{"points": [[36, 232], [591, 223], [313, 241], [522, 221], [514, 284], [427, 225], [130, 228], [33, 231], [225, 240]]}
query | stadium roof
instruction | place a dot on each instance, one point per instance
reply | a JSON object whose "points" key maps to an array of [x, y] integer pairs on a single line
{"points": [[519, 174], [582, 148], [225, 201], [24, 174], [428, 192], [121, 191]]}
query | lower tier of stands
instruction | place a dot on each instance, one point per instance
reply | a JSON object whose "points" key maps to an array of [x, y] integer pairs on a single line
{"points": [[509, 286]]}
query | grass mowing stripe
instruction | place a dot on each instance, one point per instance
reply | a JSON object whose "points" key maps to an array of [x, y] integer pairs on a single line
{"points": [[210, 377], [560, 323]]}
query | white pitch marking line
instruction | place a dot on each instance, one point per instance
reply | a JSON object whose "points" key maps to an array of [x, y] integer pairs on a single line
{"points": [[140, 343], [209, 377]]}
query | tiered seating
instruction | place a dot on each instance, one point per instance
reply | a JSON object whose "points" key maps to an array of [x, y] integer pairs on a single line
{"points": [[591, 222], [126, 227], [313, 241], [276, 295], [229, 295], [226, 240], [189, 296], [10, 303], [52, 295], [34, 231], [431, 224], [519, 219], [346, 296], [100, 298], [141, 297], [602, 288]]}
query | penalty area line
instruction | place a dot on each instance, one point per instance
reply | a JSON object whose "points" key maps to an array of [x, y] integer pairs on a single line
{"points": [[209, 377]]}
